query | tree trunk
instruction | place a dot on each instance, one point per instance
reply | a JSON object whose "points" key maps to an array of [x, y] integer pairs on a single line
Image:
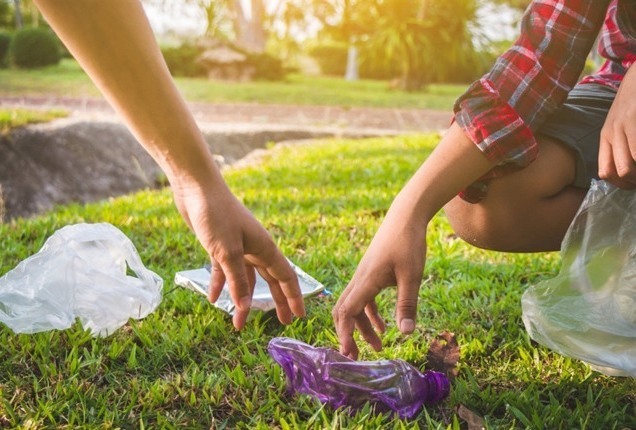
{"points": [[19, 22], [210, 16], [258, 36], [351, 73], [250, 33], [410, 80]]}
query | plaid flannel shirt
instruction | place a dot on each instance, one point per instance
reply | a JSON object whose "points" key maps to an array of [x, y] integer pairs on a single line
{"points": [[500, 111]]}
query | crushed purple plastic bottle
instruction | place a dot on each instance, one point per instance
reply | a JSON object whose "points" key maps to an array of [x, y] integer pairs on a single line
{"points": [[389, 385]]}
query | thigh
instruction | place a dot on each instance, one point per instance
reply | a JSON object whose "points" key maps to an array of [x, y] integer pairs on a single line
{"points": [[526, 211], [531, 209]]}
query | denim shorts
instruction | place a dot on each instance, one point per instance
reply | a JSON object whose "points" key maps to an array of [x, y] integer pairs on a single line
{"points": [[577, 125]]}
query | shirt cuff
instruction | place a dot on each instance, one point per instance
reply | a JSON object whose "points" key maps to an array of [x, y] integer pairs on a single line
{"points": [[497, 130]]}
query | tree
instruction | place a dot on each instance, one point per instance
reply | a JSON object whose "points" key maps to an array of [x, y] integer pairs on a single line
{"points": [[287, 18], [240, 22], [428, 40], [346, 21], [15, 14], [249, 28], [6, 14], [19, 22]]}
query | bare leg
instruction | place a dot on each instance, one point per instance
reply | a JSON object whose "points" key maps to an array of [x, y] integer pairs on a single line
{"points": [[526, 211]]}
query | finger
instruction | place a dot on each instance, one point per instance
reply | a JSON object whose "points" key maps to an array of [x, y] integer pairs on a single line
{"points": [[280, 276], [217, 281], [607, 166], [406, 308], [371, 310], [623, 159], [345, 326], [348, 310], [367, 332], [283, 310], [251, 277], [630, 135], [239, 287], [605, 160], [241, 314]]}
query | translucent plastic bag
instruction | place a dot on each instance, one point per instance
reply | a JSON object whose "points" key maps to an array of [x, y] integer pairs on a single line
{"points": [[80, 272], [589, 310], [389, 385], [198, 280]]}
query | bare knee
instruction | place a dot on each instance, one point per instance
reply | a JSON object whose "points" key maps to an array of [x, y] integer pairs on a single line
{"points": [[484, 226]]}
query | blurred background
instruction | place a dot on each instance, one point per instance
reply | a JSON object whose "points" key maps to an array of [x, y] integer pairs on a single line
{"points": [[407, 43]]}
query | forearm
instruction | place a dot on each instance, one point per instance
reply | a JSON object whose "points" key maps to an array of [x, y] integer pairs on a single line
{"points": [[113, 42], [454, 164], [528, 82]]}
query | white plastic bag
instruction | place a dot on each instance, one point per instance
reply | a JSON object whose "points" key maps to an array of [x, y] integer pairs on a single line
{"points": [[589, 310], [198, 280], [80, 272]]}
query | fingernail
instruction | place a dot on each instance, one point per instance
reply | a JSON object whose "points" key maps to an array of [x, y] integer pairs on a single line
{"points": [[407, 325], [245, 303]]}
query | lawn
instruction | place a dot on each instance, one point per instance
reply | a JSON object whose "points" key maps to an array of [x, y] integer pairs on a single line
{"points": [[184, 366], [68, 79], [13, 118]]}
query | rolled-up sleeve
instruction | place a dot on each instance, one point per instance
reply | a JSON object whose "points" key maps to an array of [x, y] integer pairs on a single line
{"points": [[500, 111]]}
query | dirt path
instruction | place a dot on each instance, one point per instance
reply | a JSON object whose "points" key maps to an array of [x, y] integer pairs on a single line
{"points": [[252, 116]]}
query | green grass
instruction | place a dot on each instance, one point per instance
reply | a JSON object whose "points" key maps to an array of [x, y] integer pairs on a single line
{"points": [[67, 79], [14, 118], [185, 367]]}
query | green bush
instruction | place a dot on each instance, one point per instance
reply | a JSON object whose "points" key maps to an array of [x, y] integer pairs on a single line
{"points": [[182, 60], [34, 47], [5, 41], [371, 66], [332, 58], [266, 67]]}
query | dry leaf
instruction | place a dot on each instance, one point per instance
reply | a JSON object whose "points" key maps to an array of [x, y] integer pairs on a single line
{"points": [[443, 354], [474, 421]]}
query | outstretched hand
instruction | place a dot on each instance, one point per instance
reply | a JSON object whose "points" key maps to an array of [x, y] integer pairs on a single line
{"points": [[394, 258], [238, 245], [126, 64], [397, 252]]}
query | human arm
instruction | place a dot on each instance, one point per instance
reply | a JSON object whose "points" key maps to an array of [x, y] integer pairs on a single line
{"points": [[500, 111], [113, 42], [397, 252], [617, 150], [492, 136]]}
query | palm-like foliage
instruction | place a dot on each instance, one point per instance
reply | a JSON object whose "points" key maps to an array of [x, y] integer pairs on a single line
{"points": [[428, 40]]}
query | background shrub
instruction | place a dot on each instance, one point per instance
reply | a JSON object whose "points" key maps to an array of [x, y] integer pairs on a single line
{"points": [[266, 67], [34, 47], [5, 41], [182, 60], [332, 58]]}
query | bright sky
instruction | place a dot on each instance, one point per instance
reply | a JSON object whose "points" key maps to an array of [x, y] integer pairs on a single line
{"points": [[186, 22]]}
